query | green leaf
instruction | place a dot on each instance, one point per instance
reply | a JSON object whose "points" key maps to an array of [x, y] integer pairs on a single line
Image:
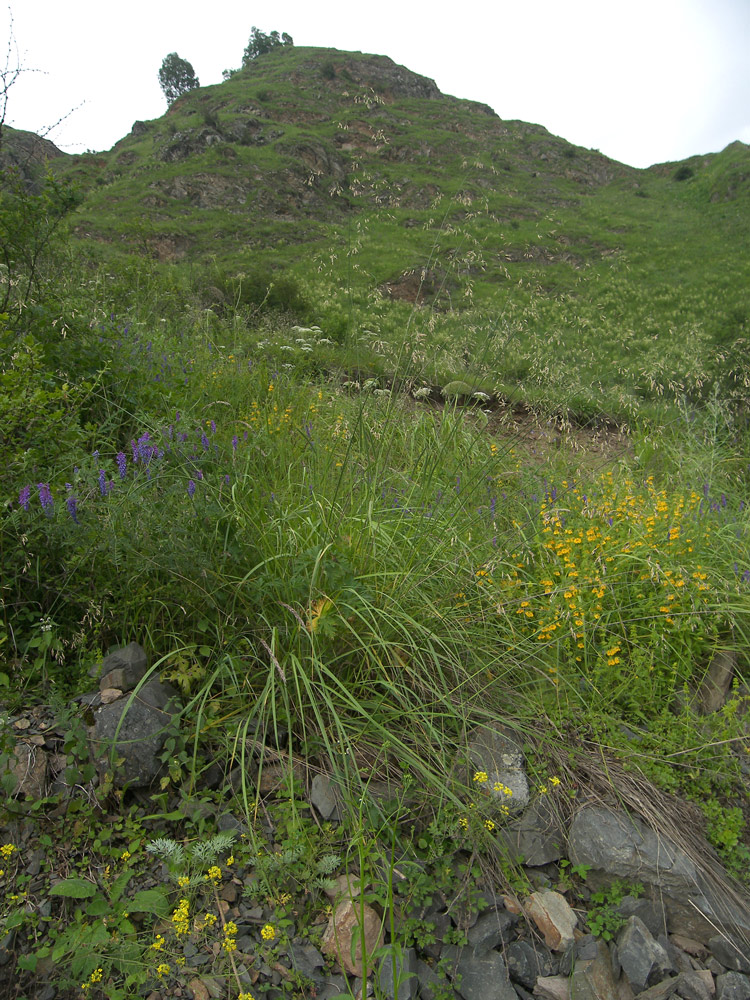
{"points": [[150, 901], [97, 907], [118, 886], [73, 888]]}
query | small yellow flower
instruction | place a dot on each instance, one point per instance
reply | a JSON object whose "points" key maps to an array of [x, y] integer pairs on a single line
{"points": [[125, 855], [158, 943], [554, 781], [480, 777], [464, 822], [214, 873], [183, 881], [230, 929], [489, 825], [96, 976], [543, 789], [209, 919], [6, 850], [162, 970], [268, 932], [229, 861], [229, 945]]}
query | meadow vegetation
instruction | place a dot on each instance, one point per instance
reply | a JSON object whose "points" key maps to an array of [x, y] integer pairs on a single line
{"points": [[259, 470]]}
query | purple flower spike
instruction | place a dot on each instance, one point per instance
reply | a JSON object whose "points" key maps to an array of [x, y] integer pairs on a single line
{"points": [[191, 488], [23, 497], [45, 497], [102, 482], [122, 464], [235, 442], [204, 441], [213, 426], [226, 480], [72, 504]]}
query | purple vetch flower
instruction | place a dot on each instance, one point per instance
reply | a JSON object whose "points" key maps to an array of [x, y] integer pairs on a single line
{"points": [[177, 416], [23, 497], [723, 500], [235, 442], [122, 464], [45, 497], [204, 441], [199, 474], [95, 455], [226, 480], [244, 436], [493, 504], [746, 576], [72, 504], [182, 436], [102, 482], [191, 488], [213, 426]]}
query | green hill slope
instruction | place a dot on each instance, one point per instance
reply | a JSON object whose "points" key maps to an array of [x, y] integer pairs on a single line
{"points": [[387, 206]]}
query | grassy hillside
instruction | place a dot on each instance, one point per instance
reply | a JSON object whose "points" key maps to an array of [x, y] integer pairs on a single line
{"points": [[373, 418], [369, 191]]}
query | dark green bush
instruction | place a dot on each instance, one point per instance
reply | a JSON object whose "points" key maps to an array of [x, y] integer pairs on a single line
{"points": [[683, 173]]}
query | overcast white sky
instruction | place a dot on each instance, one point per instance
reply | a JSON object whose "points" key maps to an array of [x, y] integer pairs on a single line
{"points": [[644, 81]]}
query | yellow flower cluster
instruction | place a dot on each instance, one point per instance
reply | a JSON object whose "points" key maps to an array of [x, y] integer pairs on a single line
{"points": [[229, 944], [181, 918], [268, 932], [96, 977]]}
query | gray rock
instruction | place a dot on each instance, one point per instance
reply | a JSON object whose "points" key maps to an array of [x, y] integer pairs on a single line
{"points": [[431, 985], [123, 668], [650, 911], [483, 978], [133, 730], [489, 930], [536, 836], [397, 975], [29, 768], [694, 986], [731, 952], [335, 986], [498, 754], [526, 962], [305, 958], [732, 986], [592, 977], [324, 796], [619, 845], [642, 959]]}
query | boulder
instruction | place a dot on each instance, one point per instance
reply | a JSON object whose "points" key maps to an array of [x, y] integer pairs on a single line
{"points": [[495, 752], [353, 933], [617, 845], [554, 918], [397, 975], [642, 959], [536, 836], [130, 734], [123, 668]]}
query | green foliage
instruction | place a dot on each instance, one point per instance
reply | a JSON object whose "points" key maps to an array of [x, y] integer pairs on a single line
{"points": [[260, 44], [30, 237], [603, 918], [176, 77]]}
